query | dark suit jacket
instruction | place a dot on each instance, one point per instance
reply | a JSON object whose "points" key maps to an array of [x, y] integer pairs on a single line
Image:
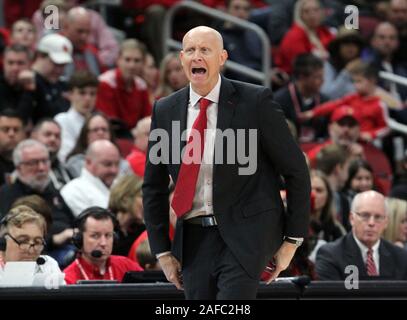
{"points": [[334, 257], [248, 208]]}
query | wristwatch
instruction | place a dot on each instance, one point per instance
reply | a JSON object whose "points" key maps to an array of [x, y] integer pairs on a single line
{"points": [[297, 242]]}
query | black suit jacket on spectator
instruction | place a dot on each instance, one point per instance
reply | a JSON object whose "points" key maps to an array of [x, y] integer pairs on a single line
{"points": [[61, 215], [6, 168], [333, 258], [248, 208], [10, 95]]}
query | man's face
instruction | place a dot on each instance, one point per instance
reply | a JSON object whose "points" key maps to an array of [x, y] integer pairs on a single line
{"points": [[398, 12], [98, 235], [34, 167], [385, 40], [11, 133], [313, 82], [13, 64], [130, 63], [78, 32], [52, 71], [369, 220], [83, 99], [344, 132], [311, 14], [29, 232], [202, 58], [239, 9], [104, 165], [50, 135]]}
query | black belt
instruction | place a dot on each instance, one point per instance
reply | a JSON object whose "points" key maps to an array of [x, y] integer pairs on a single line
{"points": [[204, 221]]}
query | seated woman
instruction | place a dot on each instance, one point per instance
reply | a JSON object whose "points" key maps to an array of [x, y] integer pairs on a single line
{"points": [[396, 231], [24, 231]]}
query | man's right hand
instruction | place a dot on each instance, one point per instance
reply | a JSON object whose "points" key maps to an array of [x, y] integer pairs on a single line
{"points": [[172, 270], [27, 80]]}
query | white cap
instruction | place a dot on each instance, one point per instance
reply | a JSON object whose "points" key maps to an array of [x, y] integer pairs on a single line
{"points": [[58, 48]]}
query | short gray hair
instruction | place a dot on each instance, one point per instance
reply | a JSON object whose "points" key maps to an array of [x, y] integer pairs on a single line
{"points": [[28, 143], [356, 200]]}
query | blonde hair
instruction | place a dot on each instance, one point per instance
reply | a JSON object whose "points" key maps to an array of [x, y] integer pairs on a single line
{"points": [[397, 211], [123, 194], [20, 215], [133, 44], [164, 89]]}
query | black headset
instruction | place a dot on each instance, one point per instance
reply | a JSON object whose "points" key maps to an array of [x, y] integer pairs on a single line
{"points": [[98, 213]]}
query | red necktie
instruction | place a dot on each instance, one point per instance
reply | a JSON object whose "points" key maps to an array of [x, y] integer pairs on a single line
{"points": [[186, 183], [370, 265]]}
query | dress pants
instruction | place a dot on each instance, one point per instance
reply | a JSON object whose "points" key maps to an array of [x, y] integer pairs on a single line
{"points": [[210, 270]]}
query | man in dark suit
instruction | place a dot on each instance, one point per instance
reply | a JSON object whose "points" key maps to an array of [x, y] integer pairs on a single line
{"points": [[231, 222], [369, 256]]}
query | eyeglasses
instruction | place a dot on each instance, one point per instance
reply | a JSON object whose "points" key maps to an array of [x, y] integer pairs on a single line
{"points": [[35, 162], [26, 245], [366, 216]]}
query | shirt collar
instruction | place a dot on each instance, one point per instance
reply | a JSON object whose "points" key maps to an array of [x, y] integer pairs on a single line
{"points": [[212, 96]]}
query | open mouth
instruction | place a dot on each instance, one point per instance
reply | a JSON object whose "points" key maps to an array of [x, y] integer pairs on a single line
{"points": [[198, 70]]}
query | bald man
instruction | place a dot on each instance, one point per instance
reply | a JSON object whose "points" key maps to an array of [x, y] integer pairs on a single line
{"points": [[231, 221], [362, 253], [77, 28], [92, 187]]}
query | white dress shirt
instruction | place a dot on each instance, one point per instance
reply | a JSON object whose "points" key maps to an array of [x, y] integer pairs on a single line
{"points": [[203, 202], [364, 249], [84, 192], [71, 123]]}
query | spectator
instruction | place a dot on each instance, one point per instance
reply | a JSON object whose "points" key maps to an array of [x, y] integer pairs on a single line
{"points": [[172, 75], [92, 187], [151, 76], [23, 33], [82, 95], [126, 203], [344, 53], [303, 94], [123, 94], [306, 35], [85, 56], [32, 163], [399, 189], [97, 227], [397, 15], [25, 231], [396, 231], [48, 132], [368, 107], [96, 127], [44, 87], [374, 258], [15, 60], [11, 133], [137, 157]]}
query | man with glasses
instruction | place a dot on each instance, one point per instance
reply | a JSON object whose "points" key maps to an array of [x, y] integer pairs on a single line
{"points": [[11, 133], [31, 159], [371, 257], [23, 231]]}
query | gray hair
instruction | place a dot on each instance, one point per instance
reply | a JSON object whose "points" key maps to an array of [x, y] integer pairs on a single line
{"points": [[28, 143], [370, 193]]}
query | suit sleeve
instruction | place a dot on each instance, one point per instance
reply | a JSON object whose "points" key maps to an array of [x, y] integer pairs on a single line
{"points": [[325, 265], [155, 194], [289, 161]]}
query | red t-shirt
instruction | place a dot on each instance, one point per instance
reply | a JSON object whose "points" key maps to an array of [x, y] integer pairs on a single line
{"points": [[116, 267]]}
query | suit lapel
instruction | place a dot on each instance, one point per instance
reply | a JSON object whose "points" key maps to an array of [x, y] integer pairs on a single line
{"points": [[386, 262], [354, 256], [180, 116]]}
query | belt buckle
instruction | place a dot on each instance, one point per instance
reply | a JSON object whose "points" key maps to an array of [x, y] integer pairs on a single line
{"points": [[209, 221]]}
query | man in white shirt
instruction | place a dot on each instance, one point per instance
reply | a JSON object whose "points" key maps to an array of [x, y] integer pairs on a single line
{"points": [[362, 252], [92, 187], [82, 95]]}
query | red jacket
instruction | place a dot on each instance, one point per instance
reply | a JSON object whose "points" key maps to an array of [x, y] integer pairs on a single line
{"points": [[118, 103], [369, 110], [296, 42], [137, 161]]}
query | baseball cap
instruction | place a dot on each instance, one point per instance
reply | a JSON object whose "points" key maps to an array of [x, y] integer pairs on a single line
{"points": [[58, 48], [343, 112]]}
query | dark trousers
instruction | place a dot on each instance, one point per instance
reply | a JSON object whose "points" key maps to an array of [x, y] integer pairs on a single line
{"points": [[210, 270]]}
